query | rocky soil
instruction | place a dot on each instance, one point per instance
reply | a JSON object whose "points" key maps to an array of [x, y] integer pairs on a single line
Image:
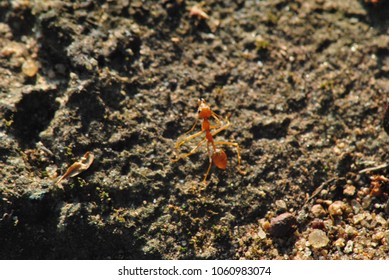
{"points": [[304, 83]]}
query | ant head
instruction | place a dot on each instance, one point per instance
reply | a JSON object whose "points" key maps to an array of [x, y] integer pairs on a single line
{"points": [[204, 111]]}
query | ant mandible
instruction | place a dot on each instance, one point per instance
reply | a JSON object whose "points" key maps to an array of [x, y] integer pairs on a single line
{"points": [[217, 156]]}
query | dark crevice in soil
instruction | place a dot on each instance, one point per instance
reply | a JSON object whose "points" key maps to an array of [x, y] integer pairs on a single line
{"points": [[32, 115]]}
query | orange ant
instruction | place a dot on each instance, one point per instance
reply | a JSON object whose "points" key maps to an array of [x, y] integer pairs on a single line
{"points": [[218, 156]]}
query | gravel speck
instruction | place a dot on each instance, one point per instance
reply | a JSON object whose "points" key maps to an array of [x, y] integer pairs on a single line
{"points": [[281, 204], [283, 225], [349, 247], [336, 208], [318, 238], [359, 217], [366, 201], [381, 220], [349, 190], [350, 231], [378, 236], [339, 242], [261, 233], [318, 211], [357, 207]]}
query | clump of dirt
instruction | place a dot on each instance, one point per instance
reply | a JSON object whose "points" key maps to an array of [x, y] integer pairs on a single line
{"points": [[304, 84]]}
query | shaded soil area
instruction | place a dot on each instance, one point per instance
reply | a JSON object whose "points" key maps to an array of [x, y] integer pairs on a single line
{"points": [[304, 84]]}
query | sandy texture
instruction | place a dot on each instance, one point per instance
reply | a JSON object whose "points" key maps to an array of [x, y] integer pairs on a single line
{"points": [[304, 84]]}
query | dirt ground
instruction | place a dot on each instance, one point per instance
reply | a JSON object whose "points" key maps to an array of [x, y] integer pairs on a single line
{"points": [[304, 84]]}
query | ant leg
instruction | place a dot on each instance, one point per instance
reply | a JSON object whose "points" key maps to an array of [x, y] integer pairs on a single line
{"points": [[190, 153], [190, 130], [180, 142], [206, 173], [210, 164], [237, 152], [220, 129], [193, 127], [224, 127], [218, 121]]}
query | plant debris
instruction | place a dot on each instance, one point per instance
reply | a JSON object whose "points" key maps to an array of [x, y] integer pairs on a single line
{"points": [[76, 168], [303, 83]]}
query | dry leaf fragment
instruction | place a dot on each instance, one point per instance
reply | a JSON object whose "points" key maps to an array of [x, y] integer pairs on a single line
{"points": [[77, 167]]}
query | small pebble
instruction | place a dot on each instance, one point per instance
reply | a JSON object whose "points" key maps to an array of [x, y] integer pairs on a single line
{"points": [[371, 225], [261, 233], [366, 201], [357, 207], [381, 220], [379, 206], [349, 247], [318, 238], [38, 195], [339, 242], [281, 204], [328, 223], [349, 190], [365, 224], [30, 68], [378, 236], [336, 208], [283, 225], [359, 217], [318, 211], [307, 252], [266, 225], [317, 224], [350, 231], [363, 192]]}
